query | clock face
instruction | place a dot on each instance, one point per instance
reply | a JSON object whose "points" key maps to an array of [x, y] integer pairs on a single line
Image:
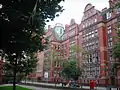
{"points": [[59, 31]]}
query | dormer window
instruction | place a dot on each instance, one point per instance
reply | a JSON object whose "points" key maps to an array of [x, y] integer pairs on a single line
{"points": [[108, 15]]}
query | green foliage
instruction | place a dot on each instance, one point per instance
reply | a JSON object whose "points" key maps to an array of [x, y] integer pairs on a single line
{"points": [[53, 54], [29, 63], [11, 88], [56, 55], [70, 70], [114, 6], [116, 46], [22, 23], [22, 28], [26, 61], [77, 49], [25, 65], [116, 50]]}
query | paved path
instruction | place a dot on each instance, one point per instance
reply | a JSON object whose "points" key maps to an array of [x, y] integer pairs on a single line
{"points": [[38, 88], [42, 88], [59, 85]]}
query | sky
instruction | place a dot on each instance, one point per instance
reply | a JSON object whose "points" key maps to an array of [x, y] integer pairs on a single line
{"points": [[74, 10]]}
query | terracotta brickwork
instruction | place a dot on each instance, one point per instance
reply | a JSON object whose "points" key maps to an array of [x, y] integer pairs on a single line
{"points": [[95, 34]]}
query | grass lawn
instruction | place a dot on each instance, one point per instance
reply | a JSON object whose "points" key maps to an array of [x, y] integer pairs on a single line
{"points": [[11, 88]]}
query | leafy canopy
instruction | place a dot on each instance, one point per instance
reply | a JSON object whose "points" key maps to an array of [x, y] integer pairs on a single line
{"points": [[22, 28], [116, 46], [22, 23], [70, 70]]}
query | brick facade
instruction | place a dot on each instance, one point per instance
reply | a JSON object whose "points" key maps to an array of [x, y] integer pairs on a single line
{"points": [[95, 35]]}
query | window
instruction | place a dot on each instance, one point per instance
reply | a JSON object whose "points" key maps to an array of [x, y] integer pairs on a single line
{"points": [[72, 33], [110, 39], [72, 43], [72, 39], [95, 20], [108, 15], [89, 22], [96, 33], [96, 30], [109, 29], [89, 32], [110, 58], [92, 32], [83, 26], [109, 44], [92, 35]]}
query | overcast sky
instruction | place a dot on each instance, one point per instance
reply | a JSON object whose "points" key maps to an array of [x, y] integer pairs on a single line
{"points": [[75, 8]]}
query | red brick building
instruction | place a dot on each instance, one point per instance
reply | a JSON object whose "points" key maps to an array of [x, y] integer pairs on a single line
{"points": [[98, 30], [95, 34]]}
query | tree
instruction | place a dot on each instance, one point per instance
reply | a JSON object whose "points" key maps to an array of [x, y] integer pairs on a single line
{"points": [[22, 27], [70, 70], [57, 58], [77, 68], [29, 64], [24, 66], [78, 50], [116, 51], [57, 61], [116, 47]]}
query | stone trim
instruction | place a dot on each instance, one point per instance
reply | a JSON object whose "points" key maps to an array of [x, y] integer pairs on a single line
{"points": [[103, 49], [104, 77], [101, 25]]}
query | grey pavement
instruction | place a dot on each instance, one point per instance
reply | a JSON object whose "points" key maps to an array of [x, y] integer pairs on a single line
{"points": [[38, 88], [47, 84], [60, 85], [42, 88]]}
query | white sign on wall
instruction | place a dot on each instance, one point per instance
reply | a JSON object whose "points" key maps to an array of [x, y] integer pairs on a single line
{"points": [[46, 75]]}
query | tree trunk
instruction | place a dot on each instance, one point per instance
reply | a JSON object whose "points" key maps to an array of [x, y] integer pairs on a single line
{"points": [[25, 78], [14, 78], [14, 75]]}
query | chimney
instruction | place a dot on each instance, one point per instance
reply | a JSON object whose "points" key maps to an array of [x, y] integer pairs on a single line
{"points": [[111, 3]]}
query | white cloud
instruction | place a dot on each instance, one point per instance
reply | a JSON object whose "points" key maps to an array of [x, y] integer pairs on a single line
{"points": [[75, 8]]}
